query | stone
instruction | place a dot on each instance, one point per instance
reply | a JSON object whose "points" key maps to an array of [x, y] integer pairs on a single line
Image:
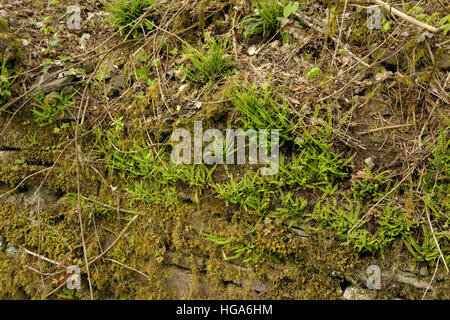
{"points": [[11, 157], [54, 85], [444, 62], [112, 91], [369, 162], [28, 200], [12, 249], [89, 67], [355, 293], [51, 98], [9, 46], [113, 88], [380, 54], [2, 243], [424, 271], [4, 14], [411, 279], [4, 25]]}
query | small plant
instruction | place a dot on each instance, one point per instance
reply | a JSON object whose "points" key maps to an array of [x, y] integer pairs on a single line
{"points": [[69, 294], [247, 192], [312, 73], [435, 191], [208, 65], [132, 16], [417, 11], [197, 176], [262, 109], [239, 246], [266, 19], [48, 107], [6, 81], [47, 29], [315, 165], [291, 208], [150, 177], [427, 250], [343, 218], [372, 187], [436, 178]]}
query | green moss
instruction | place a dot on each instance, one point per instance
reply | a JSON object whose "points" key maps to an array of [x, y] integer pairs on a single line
{"points": [[10, 48]]}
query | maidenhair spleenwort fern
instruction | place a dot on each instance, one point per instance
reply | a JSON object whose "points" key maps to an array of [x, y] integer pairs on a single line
{"points": [[209, 64]]}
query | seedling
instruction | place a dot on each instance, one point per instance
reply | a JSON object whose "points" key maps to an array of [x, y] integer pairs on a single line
{"points": [[47, 109], [132, 16], [208, 65]]}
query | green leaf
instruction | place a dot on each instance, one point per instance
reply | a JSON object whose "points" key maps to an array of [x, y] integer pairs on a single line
{"points": [[142, 73], [148, 25], [387, 26], [144, 58], [154, 62], [290, 8], [406, 6], [140, 95], [421, 17], [65, 58], [446, 30], [417, 9], [443, 20], [312, 73], [53, 42], [431, 18]]}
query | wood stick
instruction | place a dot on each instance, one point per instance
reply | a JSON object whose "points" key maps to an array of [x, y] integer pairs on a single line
{"points": [[406, 17]]}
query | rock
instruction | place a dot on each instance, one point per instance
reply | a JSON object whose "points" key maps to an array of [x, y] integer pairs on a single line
{"points": [[113, 88], [411, 279], [89, 67], [412, 268], [111, 91], [84, 40], [9, 46], [381, 54], [51, 98], [384, 75], [369, 162], [12, 249], [11, 157], [181, 281], [14, 137], [355, 293], [2, 243], [253, 284], [4, 15], [424, 271], [444, 62], [120, 82], [4, 25], [54, 85], [27, 201], [107, 68]]}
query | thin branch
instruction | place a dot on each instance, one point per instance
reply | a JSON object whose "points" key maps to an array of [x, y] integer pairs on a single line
{"points": [[407, 18]]}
